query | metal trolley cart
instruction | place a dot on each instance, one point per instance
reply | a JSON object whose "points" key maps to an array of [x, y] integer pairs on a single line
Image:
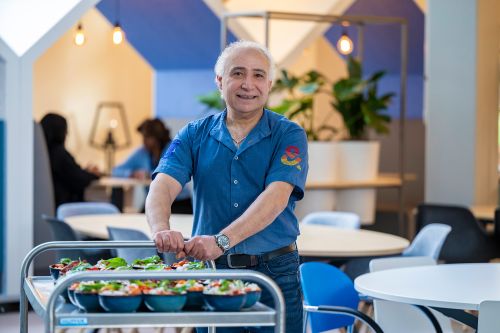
{"points": [[47, 303]]}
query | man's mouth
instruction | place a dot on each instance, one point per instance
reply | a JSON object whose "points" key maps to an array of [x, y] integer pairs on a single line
{"points": [[248, 97]]}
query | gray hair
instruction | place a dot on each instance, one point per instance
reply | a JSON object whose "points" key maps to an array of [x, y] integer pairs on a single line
{"points": [[220, 65]]}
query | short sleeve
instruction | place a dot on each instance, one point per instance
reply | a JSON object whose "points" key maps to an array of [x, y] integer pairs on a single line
{"points": [[290, 162], [177, 161]]}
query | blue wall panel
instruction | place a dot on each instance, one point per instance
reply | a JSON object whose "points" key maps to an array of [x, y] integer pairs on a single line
{"points": [[3, 225], [176, 92]]}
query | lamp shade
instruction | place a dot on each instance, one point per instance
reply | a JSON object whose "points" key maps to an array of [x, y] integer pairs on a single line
{"points": [[110, 130]]}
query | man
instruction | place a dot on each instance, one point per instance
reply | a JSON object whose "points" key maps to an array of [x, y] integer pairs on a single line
{"points": [[249, 166]]}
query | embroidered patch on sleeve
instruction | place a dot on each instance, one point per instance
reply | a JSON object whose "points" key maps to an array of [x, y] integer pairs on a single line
{"points": [[291, 157], [171, 148]]}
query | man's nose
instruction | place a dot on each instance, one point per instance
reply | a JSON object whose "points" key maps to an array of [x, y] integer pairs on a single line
{"points": [[247, 83]]}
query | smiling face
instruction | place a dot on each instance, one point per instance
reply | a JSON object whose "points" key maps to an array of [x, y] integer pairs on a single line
{"points": [[245, 83]]}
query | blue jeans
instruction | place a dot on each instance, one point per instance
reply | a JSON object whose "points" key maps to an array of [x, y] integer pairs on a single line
{"points": [[284, 270]]}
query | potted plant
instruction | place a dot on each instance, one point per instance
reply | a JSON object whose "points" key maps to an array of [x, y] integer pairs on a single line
{"points": [[358, 102]]}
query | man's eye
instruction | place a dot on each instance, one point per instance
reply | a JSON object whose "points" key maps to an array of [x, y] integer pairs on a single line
{"points": [[260, 76], [237, 73]]}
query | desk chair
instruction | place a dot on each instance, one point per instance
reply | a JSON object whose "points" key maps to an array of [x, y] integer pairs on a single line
{"points": [[428, 242], [334, 219], [396, 317], [467, 242], [330, 300], [85, 208], [123, 234], [63, 232]]}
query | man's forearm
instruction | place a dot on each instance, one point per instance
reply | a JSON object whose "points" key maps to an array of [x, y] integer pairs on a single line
{"points": [[262, 212], [158, 207]]}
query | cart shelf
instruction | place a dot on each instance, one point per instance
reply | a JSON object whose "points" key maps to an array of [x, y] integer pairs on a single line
{"points": [[47, 302]]}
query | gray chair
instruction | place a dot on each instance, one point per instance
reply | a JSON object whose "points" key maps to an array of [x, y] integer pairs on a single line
{"points": [[63, 232], [124, 234], [43, 199], [85, 208]]}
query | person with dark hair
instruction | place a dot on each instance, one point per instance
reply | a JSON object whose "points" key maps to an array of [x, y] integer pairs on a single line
{"points": [[141, 163], [70, 180]]}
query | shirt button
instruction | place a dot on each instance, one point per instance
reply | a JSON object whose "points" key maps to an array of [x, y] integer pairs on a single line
{"points": [[235, 181], [236, 157], [235, 205]]}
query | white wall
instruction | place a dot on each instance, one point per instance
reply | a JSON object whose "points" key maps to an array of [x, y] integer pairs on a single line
{"points": [[461, 101]]}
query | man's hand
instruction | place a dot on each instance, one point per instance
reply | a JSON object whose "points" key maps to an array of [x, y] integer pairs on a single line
{"points": [[170, 241], [202, 248]]}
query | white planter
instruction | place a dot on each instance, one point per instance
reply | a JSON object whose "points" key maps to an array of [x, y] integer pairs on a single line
{"points": [[345, 161], [358, 162], [323, 161]]}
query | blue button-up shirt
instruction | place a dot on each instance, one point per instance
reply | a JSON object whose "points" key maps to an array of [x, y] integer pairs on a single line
{"points": [[227, 179]]}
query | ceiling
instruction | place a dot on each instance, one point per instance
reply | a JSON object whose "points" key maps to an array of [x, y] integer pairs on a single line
{"points": [[184, 34]]}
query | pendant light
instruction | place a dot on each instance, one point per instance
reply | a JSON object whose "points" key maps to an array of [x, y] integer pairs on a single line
{"points": [[344, 44], [118, 34], [79, 38]]}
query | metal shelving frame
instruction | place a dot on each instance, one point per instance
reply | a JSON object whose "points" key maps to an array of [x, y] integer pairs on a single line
{"points": [[46, 301], [359, 22]]}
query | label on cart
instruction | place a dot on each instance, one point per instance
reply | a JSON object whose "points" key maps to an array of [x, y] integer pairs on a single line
{"points": [[73, 321]]}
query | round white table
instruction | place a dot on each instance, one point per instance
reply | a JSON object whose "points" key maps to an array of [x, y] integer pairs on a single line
{"points": [[454, 286], [314, 241], [325, 241], [449, 289]]}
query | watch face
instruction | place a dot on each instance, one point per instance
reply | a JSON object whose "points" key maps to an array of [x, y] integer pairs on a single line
{"points": [[223, 241]]}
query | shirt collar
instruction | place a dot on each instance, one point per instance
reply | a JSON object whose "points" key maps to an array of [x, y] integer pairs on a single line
{"points": [[260, 131]]}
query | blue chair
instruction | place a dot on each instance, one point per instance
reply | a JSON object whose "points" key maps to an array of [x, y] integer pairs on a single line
{"points": [[330, 300], [85, 208], [334, 219], [428, 242]]}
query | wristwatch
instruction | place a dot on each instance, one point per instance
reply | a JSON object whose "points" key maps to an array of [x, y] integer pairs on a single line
{"points": [[222, 242]]}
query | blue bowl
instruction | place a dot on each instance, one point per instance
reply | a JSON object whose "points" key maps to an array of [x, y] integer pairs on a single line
{"points": [[114, 303], [194, 300], [224, 302], [252, 298], [165, 303], [54, 272], [88, 302]]}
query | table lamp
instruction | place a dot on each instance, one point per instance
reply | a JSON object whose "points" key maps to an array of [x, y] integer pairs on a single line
{"points": [[110, 131]]}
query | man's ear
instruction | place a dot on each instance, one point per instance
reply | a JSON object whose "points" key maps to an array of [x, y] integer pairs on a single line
{"points": [[218, 81]]}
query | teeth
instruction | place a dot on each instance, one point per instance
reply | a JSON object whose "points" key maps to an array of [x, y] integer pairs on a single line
{"points": [[246, 97]]}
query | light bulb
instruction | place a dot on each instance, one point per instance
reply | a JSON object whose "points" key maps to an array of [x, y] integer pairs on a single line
{"points": [[118, 35], [344, 44], [113, 123], [79, 36]]}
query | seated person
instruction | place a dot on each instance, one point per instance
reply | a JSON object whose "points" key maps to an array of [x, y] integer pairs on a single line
{"points": [[141, 163], [69, 179]]}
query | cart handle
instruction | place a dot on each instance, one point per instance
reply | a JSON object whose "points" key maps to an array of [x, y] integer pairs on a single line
{"points": [[248, 275]]}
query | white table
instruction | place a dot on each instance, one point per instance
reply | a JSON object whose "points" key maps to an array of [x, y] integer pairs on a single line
{"points": [[121, 182], [314, 241], [456, 286]]}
